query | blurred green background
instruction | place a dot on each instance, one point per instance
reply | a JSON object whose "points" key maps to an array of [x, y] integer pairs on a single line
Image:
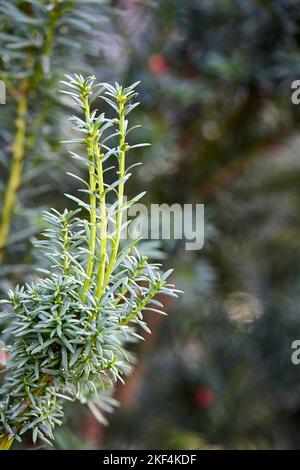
{"points": [[216, 106]]}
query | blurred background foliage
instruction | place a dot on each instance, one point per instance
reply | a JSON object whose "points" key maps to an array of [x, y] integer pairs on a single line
{"points": [[216, 93]]}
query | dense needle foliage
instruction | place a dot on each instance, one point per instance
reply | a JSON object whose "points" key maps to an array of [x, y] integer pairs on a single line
{"points": [[68, 330]]}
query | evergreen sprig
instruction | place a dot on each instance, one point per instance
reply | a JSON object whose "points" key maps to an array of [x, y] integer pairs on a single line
{"points": [[68, 330]]}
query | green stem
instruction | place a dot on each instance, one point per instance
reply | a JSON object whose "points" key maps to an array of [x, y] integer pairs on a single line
{"points": [[41, 69], [121, 174], [92, 148], [16, 169], [66, 248], [6, 443], [103, 226]]}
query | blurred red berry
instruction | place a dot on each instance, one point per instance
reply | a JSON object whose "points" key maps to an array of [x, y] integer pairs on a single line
{"points": [[157, 65], [204, 397], [3, 359], [3, 356]]}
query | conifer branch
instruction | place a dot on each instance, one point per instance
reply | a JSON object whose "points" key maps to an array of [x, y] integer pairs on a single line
{"points": [[69, 330]]}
